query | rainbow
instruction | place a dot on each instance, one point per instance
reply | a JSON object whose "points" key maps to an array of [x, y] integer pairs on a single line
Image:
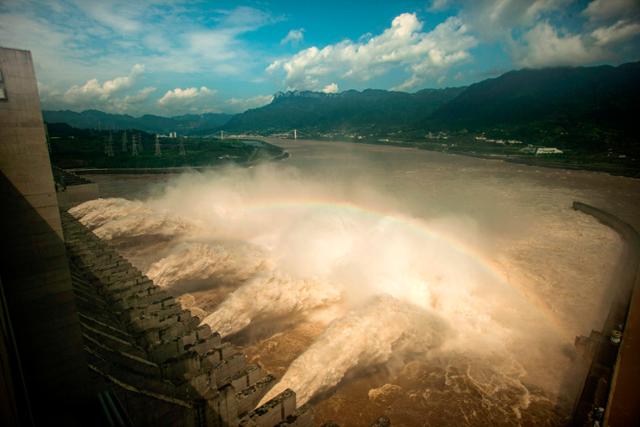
{"points": [[417, 227]]}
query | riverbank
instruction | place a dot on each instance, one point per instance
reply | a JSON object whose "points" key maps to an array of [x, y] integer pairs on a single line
{"points": [[613, 166]]}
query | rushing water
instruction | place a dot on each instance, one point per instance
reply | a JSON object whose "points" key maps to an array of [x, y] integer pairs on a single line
{"points": [[431, 288]]}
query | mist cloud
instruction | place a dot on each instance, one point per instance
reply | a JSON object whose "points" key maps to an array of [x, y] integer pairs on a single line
{"points": [[386, 285]]}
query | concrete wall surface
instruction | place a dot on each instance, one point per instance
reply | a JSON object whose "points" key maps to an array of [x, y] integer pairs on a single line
{"points": [[41, 326]]}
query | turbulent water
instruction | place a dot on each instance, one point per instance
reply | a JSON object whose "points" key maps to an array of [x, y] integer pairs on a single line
{"points": [[395, 293]]}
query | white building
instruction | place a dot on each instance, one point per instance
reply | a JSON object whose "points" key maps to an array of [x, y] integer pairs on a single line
{"points": [[548, 150]]}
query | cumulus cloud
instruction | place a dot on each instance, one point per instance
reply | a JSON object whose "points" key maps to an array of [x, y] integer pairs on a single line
{"points": [[293, 36], [544, 46], [404, 44], [180, 95], [187, 100], [535, 34], [73, 41], [491, 20], [93, 91], [603, 10], [134, 100], [330, 88], [618, 32]]}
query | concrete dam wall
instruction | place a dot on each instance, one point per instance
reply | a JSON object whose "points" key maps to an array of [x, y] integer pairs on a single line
{"points": [[164, 366], [611, 382]]}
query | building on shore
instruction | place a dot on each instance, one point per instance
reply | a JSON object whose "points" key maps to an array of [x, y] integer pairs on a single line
{"points": [[548, 150]]}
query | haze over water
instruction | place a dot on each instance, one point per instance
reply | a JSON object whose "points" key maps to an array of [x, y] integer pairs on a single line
{"points": [[378, 280]]}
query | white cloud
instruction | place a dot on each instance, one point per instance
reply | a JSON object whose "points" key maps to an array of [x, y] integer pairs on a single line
{"points": [[403, 44], [330, 88], [74, 39], [238, 105], [214, 44], [181, 95], [604, 10], [93, 90], [544, 46], [618, 32], [439, 5], [121, 16], [133, 103], [496, 19], [294, 37], [600, 39], [140, 96], [187, 100], [531, 32], [244, 18], [112, 95]]}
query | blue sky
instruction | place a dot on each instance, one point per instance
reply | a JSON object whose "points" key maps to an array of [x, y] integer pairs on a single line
{"points": [[174, 57]]}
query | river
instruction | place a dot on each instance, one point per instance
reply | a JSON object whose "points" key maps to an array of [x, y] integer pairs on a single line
{"points": [[545, 274]]}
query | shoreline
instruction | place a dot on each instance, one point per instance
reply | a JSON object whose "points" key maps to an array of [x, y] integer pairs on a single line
{"points": [[611, 170], [168, 170]]}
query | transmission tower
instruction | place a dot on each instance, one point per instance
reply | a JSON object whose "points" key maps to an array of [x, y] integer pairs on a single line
{"points": [[183, 152], [295, 134], [108, 147], [158, 152], [134, 144], [124, 141]]}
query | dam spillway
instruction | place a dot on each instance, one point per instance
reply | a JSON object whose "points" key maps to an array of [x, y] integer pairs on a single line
{"points": [[139, 338]]}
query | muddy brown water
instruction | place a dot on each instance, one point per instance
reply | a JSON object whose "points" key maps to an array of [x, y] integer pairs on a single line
{"points": [[522, 219]]}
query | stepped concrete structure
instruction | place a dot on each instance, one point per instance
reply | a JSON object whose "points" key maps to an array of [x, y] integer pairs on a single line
{"points": [[73, 189], [139, 338]]}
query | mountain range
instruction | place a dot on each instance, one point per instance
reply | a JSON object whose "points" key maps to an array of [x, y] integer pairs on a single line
{"points": [[95, 119], [349, 110], [589, 107]]}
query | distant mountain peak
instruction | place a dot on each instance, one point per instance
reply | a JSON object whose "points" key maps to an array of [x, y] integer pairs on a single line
{"points": [[301, 94]]}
